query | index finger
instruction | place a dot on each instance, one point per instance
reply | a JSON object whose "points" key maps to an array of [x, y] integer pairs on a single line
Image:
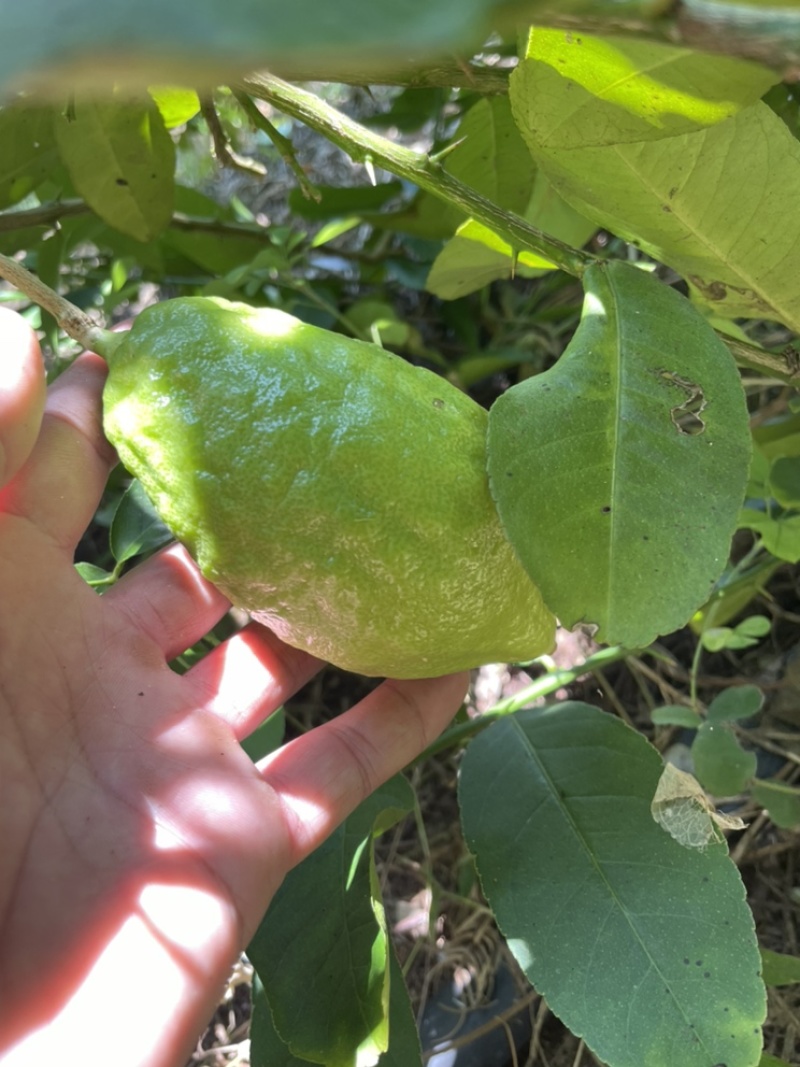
{"points": [[22, 392]]}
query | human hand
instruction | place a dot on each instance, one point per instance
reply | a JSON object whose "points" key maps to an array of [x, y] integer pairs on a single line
{"points": [[140, 846]]}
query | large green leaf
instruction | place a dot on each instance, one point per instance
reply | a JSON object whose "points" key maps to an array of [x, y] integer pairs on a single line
{"points": [[322, 949], [644, 948], [716, 205], [268, 1049], [624, 89], [121, 160], [619, 473]]}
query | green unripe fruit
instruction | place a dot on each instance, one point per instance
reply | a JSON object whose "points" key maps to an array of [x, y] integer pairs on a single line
{"points": [[335, 491]]}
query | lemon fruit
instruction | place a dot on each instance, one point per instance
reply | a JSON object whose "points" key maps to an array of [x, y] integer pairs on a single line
{"points": [[336, 492]]}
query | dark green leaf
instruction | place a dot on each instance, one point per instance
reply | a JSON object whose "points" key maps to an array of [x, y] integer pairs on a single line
{"points": [[121, 161], [266, 737], [268, 1049], [781, 801], [336, 201], [136, 527], [644, 948], [738, 702], [784, 481], [619, 474], [780, 533], [772, 1061], [780, 969], [676, 715], [720, 763], [324, 935]]}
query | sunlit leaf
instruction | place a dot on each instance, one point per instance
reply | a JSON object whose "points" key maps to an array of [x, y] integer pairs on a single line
{"points": [[618, 474]]}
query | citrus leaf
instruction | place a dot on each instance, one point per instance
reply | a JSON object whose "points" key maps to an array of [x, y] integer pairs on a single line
{"points": [[268, 1049], [475, 257], [176, 104], [623, 89], [135, 527], [779, 968], [731, 597], [93, 575], [325, 934], [772, 1061], [643, 948], [720, 762], [743, 255], [676, 715], [121, 161], [780, 534], [784, 481], [618, 474], [781, 801], [738, 702], [341, 201], [267, 737], [29, 150]]}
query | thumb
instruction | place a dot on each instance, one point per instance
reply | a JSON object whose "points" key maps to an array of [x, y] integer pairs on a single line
{"points": [[22, 392]]}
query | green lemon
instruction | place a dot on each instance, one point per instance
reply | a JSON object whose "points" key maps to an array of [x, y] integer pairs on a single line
{"points": [[334, 491]]}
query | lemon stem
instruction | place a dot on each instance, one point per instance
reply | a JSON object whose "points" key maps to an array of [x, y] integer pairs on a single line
{"points": [[70, 319]]}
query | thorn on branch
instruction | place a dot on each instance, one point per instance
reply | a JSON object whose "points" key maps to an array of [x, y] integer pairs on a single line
{"points": [[436, 159]]}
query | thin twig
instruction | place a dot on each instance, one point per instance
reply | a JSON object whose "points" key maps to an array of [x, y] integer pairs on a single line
{"points": [[226, 156], [43, 215], [550, 683], [282, 144], [70, 319], [366, 146]]}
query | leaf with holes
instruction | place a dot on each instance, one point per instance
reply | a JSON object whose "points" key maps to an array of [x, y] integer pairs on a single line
{"points": [[644, 948], [619, 473], [681, 808]]}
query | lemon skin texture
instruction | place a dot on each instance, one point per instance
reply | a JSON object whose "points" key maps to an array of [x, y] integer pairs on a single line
{"points": [[336, 492]]}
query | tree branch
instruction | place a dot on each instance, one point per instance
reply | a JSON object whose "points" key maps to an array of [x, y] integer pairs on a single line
{"points": [[70, 319], [365, 146]]}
